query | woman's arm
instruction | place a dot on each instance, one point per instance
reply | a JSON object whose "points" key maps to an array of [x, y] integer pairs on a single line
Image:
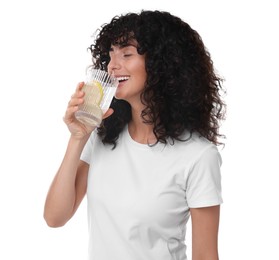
{"points": [[70, 182], [205, 225], [68, 187]]}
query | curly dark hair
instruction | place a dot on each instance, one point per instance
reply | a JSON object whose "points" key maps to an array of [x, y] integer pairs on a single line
{"points": [[182, 90]]}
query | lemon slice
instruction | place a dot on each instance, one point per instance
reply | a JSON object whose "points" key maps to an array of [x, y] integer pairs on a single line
{"points": [[96, 92]]}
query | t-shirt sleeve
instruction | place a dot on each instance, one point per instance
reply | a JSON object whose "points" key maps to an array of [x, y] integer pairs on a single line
{"points": [[203, 186], [86, 154]]}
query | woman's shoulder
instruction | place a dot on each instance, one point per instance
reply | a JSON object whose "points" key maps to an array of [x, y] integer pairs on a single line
{"points": [[195, 145], [193, 141]]}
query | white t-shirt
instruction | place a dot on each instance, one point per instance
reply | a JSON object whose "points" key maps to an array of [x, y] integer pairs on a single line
{"points": [[139, 196]]}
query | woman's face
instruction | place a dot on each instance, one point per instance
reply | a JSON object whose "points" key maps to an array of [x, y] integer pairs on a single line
{"points": [[129, 68]]}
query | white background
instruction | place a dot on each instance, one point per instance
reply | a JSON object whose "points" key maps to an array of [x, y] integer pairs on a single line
{"points": [[42, 57]]}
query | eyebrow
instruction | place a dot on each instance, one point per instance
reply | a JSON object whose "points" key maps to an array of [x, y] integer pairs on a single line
{"points": [[124, 46]]}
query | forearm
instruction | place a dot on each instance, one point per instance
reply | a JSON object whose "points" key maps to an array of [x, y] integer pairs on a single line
{"points": [[205, 225], [208, 256], [60, 201], [207, 249]]}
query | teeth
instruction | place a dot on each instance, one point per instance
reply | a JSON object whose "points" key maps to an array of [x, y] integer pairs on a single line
{"points": [[122, 78]]}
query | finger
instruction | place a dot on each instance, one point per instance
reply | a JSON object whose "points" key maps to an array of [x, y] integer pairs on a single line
{"points": [[73, 104], [70, 111], [78, 91], [77, 97], [108, 113], [79, 86], [75, 101]]}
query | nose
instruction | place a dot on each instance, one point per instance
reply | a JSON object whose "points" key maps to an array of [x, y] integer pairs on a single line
{"points": [[113, 65]]}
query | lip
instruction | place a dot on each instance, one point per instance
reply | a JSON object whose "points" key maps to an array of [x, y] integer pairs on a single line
{"points": [[121, 83], [122, 79], [121, 76]]}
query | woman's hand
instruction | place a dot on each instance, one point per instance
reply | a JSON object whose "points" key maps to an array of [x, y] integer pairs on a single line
{"points": [[78, 129]]}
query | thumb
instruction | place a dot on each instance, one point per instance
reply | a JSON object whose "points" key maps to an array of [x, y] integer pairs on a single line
{"points": [[108, 113]]}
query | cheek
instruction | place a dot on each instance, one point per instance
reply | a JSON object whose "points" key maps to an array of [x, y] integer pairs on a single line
{"points": [[143, 76], [141, 72]]}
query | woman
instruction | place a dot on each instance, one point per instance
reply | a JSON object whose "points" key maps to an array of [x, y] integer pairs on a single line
{"points": [[153, 162]]}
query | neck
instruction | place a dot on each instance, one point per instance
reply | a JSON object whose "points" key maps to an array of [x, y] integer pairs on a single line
{"points": [[140, 131]]}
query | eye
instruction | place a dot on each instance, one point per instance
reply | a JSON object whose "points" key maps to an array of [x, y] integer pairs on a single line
{"points": [[127, 54]]}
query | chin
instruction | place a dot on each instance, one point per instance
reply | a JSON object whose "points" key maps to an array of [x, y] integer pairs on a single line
{"points": [[119, 95]]}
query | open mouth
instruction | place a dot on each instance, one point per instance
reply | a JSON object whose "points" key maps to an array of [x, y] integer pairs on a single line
{"points": [[122, 79]]}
